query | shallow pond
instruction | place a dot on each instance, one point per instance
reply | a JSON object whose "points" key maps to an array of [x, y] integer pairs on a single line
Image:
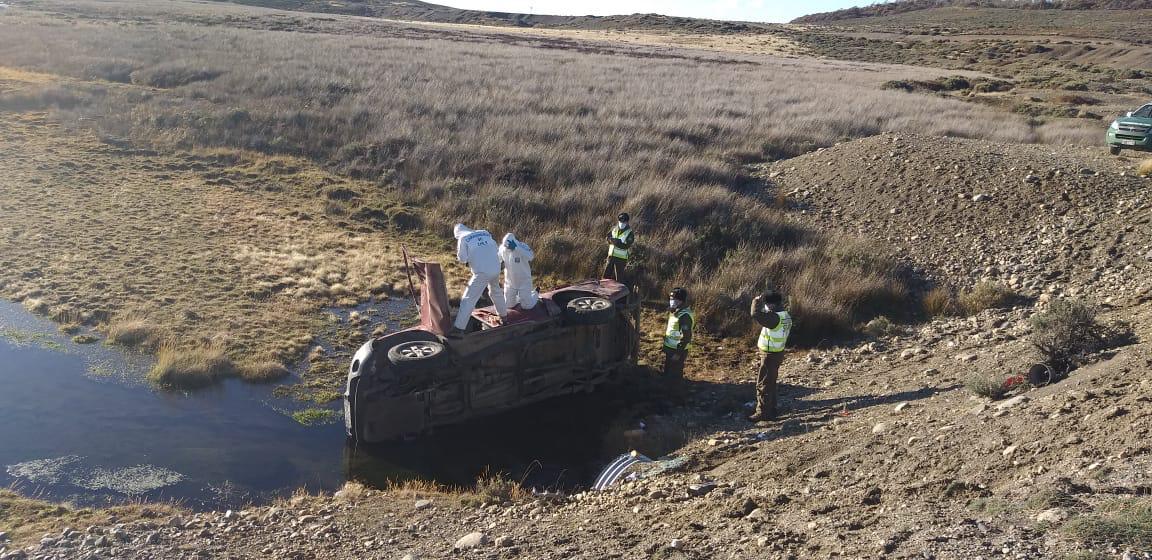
{"points": [[79, 423]]}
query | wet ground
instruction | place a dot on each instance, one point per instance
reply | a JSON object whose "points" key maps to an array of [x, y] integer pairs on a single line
{"points": [[80, 423]]}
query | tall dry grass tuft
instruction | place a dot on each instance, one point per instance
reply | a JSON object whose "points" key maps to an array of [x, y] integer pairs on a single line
{"points": [[985, 295], [267, 371], [190, 368], [135, 332]]}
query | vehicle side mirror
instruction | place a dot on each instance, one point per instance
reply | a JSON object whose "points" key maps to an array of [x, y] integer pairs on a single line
{"points": [[1129, 114]]}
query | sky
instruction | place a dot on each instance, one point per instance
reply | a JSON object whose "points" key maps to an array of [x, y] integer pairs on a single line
{"points": [[739, 10]]}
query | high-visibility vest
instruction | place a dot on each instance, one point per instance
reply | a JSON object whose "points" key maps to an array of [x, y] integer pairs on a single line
{"points": [[622, 235], [674, 335], [773, 340]]}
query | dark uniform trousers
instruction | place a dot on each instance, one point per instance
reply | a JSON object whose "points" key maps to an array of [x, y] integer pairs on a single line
{"points": [[766, 382], [674, 363], [614, 269]]}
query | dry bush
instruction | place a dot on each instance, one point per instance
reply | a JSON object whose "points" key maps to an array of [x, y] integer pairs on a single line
{"points": [[985, 295], [1066, 333], [26, 519], [984, 385], [497, 489], [1145, 168], [134, 332], [1077, 99], [190, 368]]}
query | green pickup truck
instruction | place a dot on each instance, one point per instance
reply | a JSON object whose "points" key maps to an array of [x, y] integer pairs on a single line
{"points": [[1131, 132]]}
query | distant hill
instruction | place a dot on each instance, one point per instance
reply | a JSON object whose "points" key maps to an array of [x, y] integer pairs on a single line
{"points": [[905, 6], [414, 10]]}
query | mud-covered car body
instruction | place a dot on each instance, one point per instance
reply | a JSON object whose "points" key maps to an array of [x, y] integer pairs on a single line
{"points": [[404, 384], [1132, 131]]}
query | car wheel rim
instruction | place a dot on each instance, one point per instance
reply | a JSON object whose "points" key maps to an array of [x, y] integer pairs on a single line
{"points": [[418, 351], [591, 304]]}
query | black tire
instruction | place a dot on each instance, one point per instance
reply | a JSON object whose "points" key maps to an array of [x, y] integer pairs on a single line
{"points": [[589, 311], [417, 354], [1040, 375], [1114, 150]]}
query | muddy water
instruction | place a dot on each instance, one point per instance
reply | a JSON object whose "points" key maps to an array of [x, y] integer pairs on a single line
{"points": [[79, 423]]}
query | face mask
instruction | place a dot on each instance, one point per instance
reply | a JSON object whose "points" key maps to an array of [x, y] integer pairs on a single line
{"points": [[671, 304], [621, 225], [767, 309]]}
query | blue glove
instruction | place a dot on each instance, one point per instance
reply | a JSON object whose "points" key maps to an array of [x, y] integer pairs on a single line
{"points": [[511, 245]]}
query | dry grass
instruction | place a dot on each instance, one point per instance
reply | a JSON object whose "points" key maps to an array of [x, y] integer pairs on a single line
{"points": [[263, 372], [134, 332], [940, 302], [191, 368], [26, 519], [1124, 523], [495, 488], [1145, 168], [488, 128], [985, 295]]}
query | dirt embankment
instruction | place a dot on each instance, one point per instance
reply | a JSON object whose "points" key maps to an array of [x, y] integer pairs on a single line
{"points": [[881, 452]]}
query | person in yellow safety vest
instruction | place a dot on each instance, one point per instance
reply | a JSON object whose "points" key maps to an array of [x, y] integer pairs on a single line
{"points": [[620, 243], [776, 324], [678, 336]]}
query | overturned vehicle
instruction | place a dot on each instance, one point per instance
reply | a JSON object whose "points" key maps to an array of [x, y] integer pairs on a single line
{"points": [[404, 384]]}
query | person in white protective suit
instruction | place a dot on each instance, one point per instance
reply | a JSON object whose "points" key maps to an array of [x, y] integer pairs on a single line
{"points": [[478, 250], [518, 288]]}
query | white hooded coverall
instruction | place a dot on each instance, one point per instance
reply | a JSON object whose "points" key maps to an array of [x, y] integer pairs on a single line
{"points": [[518, 287], [478, 250]]}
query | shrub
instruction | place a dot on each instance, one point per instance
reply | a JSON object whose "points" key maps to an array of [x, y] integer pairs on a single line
{"points": [[497, 489], [1145, 168], [313, 416], [1125, 523], [984, 385], [190, 368], [1066, 333], [985, 295]]}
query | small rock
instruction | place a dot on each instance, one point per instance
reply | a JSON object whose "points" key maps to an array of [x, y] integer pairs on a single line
{"points": [[504, 541], [1008, 451], [410, 556], [1054, 515], [676, 544], [966, 357], [176, 521], [697, 490], [470, 541], [1013, 402], [880, 428], [230, 515], [423, 504], [900, 407], [981, 198], [978, 409], [3, 536], [152, 538]]}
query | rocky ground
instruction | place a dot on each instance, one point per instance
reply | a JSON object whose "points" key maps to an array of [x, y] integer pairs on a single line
{"points": [[881, 451]]}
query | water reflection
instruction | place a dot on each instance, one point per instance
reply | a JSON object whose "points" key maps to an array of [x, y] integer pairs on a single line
{"points": [[80, 423]]}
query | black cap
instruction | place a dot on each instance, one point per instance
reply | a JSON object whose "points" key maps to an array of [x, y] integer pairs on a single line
{"points": [[772, 297], [679, 294], [624, 217]]}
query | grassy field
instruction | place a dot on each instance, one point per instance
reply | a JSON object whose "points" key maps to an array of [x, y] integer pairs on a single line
{"points": [[417, 128]]}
